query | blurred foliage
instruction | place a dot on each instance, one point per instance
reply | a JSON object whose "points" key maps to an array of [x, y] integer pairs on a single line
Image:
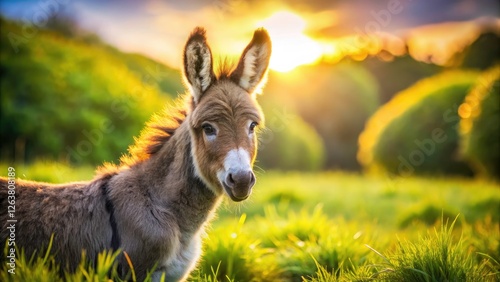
{"points": [[398, 74], [68, 96], [416, 132], [483, 53], [428, 214], [289, 144], [167, 79], [51, 171], [479, 125], [334, 99], [70, 99]]}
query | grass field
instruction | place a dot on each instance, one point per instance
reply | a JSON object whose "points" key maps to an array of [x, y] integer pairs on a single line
{"points": [[329, 226]]}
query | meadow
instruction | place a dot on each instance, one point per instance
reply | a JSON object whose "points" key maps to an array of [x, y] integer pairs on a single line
{"points": [[310, 223], [326, 226]]}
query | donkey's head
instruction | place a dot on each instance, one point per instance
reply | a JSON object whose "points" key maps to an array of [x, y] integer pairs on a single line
{"points": [[225, 114]]}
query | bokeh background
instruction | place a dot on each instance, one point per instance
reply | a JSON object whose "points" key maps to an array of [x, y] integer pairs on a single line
{"points": [[353, 84], [382, 122]]}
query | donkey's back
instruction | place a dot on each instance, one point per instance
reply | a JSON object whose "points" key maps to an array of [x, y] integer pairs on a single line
{"points": [[155, 205], [72, 212]]}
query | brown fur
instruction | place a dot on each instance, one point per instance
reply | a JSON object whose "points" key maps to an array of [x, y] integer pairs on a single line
{"points": [[155, 205]]}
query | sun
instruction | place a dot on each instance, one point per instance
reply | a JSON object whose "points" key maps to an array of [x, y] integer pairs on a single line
{"points": [[291, 47]]}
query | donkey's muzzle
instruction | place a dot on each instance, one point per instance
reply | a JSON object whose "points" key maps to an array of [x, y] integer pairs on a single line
{"points": [[238, 184]]}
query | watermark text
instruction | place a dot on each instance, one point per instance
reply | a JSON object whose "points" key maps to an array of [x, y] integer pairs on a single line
{"points": [[11, 221]]}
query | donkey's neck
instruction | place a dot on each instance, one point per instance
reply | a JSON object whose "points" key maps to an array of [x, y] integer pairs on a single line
{"points": [[172, 183]]}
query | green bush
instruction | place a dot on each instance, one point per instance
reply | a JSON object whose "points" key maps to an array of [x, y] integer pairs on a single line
{"points": [[66, 99], [416, 132], [483, 53], [336, 100], [479, 125], [291, 144]]}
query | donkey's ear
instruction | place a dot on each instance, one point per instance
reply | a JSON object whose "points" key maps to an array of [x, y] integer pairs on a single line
{"points": [[198, 66], [252, 67]]}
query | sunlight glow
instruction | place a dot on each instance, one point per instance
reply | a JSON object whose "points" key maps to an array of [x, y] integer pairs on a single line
{"points": [[291, 47]]}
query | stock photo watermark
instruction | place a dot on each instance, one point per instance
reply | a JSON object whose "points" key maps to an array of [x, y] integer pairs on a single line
{"points": [[426, 147], [369, 33], [11, 221], [38, 19], [120, 108], [381, 18], [278, 121]]}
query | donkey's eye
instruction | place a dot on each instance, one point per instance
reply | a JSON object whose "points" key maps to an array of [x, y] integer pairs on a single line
{"points": [[252, 126], [208, 129]]}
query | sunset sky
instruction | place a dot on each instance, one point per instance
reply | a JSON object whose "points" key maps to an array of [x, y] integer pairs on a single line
{"points": [[302, 31]]}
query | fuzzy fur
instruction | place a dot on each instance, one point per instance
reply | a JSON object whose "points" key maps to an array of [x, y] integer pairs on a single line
{"points": [[155, 205]]}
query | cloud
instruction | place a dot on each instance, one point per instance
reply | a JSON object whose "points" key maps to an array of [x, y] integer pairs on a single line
{"points": [[159, 28]]}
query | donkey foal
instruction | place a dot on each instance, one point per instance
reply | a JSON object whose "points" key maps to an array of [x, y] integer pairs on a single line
{"points": [[155, 205]]}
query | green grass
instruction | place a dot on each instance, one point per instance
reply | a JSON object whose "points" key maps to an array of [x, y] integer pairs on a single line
{"points": [[437, 257], [50, 171], [329, 226]]}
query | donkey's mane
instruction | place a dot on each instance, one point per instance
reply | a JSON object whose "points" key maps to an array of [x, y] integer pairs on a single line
{"points": [[162, 126], [158, 130], [224, 68]]}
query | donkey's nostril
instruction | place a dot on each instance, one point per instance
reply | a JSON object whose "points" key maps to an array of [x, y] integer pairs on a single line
{"points": [[239, 183], [252, 179], [240, 179], [230, 180]]}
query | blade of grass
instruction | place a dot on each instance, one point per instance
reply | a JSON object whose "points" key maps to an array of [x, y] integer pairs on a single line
{"points": [[129, 262]]}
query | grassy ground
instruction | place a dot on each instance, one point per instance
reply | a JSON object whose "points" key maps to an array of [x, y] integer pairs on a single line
{"points": [[330, 227]]}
